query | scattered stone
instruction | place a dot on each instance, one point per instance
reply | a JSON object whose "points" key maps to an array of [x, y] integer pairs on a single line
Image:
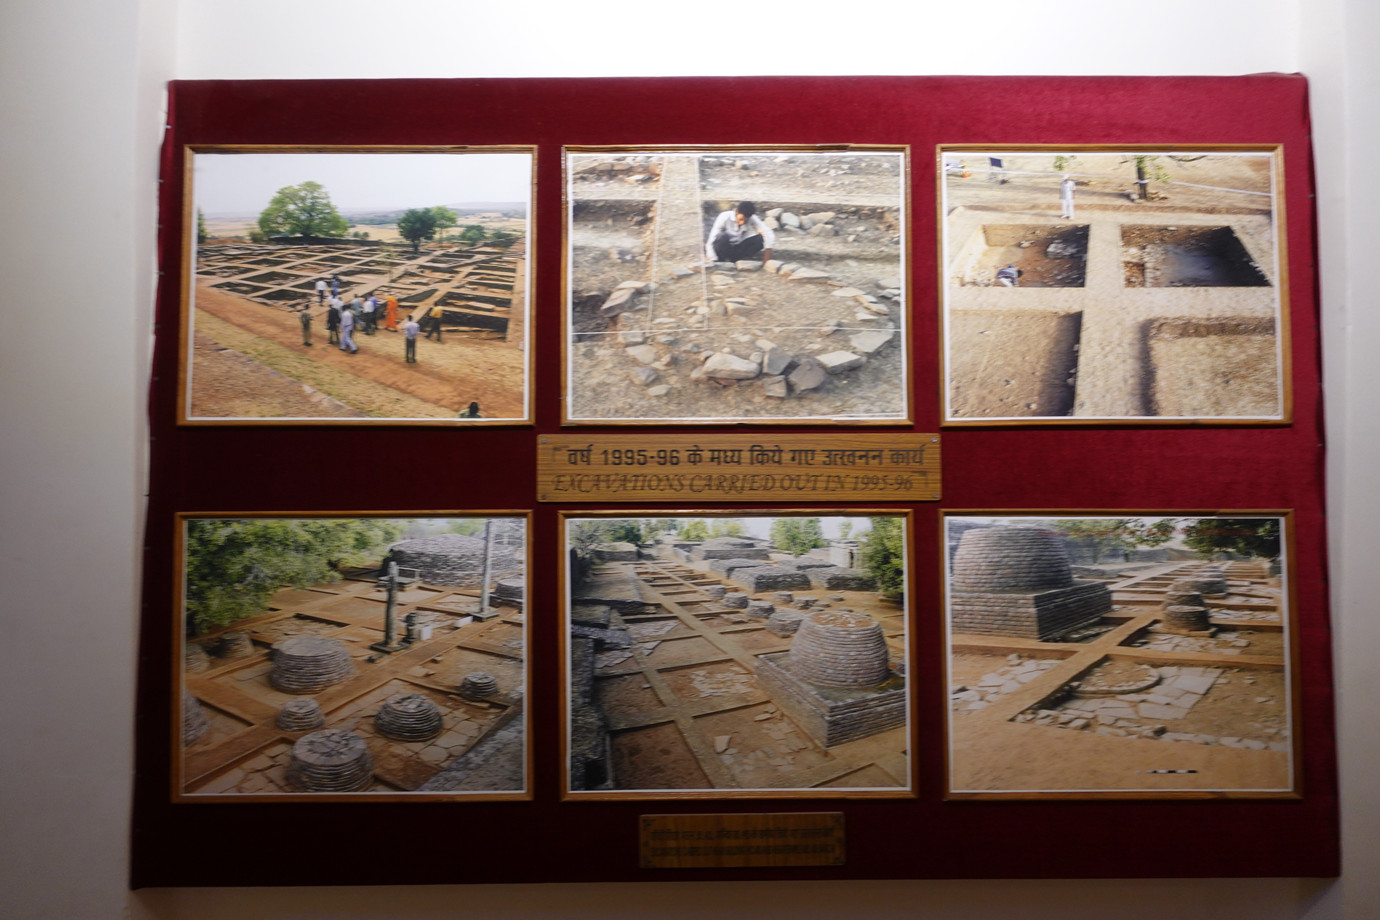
{"points": [[618, 302], [809, 374], [836, 362], [659, 390], [871, 341], [643, 375], [730, 367], [775, 387], [810, 275]]}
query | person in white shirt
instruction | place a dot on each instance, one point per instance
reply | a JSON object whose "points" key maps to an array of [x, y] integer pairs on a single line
{"points": [[410, 330], [739, 235]]}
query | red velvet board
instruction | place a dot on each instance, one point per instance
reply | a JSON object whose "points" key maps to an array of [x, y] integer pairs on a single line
{"points": [[1146, 468]]}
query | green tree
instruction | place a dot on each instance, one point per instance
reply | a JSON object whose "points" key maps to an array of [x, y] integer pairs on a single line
{"points": [[727, 527], [883, 554], [845, 528], [467, 526], [415, 225], [234, 566], [472, 233], [302, 210], [1106, 534], [1148, 168], [1246, 536], [445, 217], [419, 224], [797, 535], [202, 235], [695, 530]]}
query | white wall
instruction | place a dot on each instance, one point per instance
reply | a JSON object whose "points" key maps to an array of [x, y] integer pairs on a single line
{"points": [[79, 125]]}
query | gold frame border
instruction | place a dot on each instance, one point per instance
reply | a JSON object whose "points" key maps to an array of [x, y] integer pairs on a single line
{"points": [[908, 311], [910, 791], [177, 669], [186, 283], [1289, 627], [1282, 308]]}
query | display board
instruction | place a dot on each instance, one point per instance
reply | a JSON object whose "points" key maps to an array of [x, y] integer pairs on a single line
{"points": [[546, 483]]}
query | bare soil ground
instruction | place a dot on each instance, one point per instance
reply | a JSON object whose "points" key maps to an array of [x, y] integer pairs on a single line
{"points": [[1216, 375], [248, 361], [1012, 364]]}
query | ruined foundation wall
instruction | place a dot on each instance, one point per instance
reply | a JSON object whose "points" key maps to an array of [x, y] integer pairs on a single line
{"points": [[455, 559], [1030, 615], [769, 578]]}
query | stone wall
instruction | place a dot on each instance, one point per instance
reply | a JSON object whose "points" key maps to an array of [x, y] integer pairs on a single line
{"points": [[1030, 615], [730, 548], [455, 559], [769, 578]]}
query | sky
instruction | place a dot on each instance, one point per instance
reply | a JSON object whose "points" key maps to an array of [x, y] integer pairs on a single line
{"points": [[233, 184]]}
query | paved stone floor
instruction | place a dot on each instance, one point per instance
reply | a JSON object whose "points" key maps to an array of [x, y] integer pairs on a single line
{"points": [[244, 753], [685, 709], [1127, 705]]}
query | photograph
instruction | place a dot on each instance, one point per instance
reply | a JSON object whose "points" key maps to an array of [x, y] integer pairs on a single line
{"points": [[1087, 285], [1092, 655], [357, 286], [737, 285], [758, 655], [361, 657]]}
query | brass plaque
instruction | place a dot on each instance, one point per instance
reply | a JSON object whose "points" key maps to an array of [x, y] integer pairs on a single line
{"points": [[738, 467], [730, 841]]}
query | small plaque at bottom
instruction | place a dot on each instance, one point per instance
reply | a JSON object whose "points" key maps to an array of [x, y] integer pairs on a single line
{"points": [[729, 841]]}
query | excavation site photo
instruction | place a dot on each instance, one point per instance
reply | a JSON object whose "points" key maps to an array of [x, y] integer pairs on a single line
{"points": [[1086, 285], [358, 657], [739, 285], [379, 287], [1104, 656], [750, 656]]}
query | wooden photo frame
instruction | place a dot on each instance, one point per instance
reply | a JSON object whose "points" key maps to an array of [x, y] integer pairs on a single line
{"points": [[357, 285], [1096, 655], [731, 655], [1102, 285], [351, 657], [737, 284]]}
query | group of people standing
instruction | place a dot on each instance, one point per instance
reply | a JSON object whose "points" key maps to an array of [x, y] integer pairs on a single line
{"points": [[362, 315]]}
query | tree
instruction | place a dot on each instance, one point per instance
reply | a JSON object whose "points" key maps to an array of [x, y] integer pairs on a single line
{"points": [[1106, 534], [1147, 168], [418, 224], [415, 225], [845, 528], [234, 566], [302, 210], [1246, 536], [695, 530], [445, 217], [727, 527], [472, 233], [797, 535], [466, 526], [202, 235], [883, 554]]}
